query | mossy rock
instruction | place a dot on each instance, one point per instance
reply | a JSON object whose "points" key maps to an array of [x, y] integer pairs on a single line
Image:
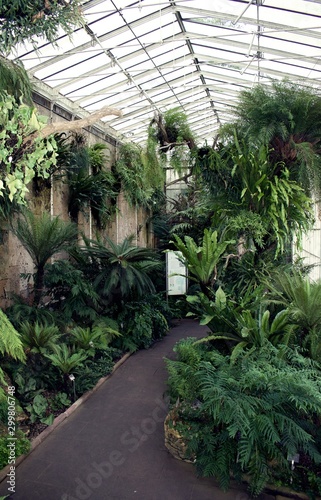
{"points": [[174, 441]]}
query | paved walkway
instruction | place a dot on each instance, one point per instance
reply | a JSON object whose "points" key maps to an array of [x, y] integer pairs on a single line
{"points": [[112, 446]]}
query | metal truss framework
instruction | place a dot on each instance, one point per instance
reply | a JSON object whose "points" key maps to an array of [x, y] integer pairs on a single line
{"points": [[148, 56]]}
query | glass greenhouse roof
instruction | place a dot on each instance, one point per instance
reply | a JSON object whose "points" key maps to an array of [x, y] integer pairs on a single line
{"points": [[148, 56]]}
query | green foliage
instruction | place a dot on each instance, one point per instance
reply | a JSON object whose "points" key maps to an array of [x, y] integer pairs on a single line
{"points": [[242, 325], [21, 21], [22, 447], [38, 410], [142, 324], [285, 116], [59, 401], [245, 180], [94, 369], [19, 312], [15, 80], [38, 337], [170, 132], [302, 297], [88, 339], [66, 360], [121, 270], [90, 185], [246, 416], [22, 156], [202, 261], [139, 177], [10, 339], [42, 237]]}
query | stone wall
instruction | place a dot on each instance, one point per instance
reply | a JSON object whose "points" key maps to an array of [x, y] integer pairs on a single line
{"points": [[14, 259]]}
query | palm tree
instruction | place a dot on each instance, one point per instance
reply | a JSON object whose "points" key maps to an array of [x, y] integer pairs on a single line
{"points": [[42, 237], [123, 269]]}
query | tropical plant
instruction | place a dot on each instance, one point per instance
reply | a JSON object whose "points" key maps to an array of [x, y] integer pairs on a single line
{"points": [[91, 186], [42, 237], [22, 447], [302, 297], [256, 198], [39, 410], [71, 292], [286, 117], [10, 339], [92, 191], [10, 344], [202, 261], [245, 416], [142, 323], [88, 339], [21, 311], [15, 80], [23, 152], [138, 176], [21, 21], [123, 270], [65, 359], [38, 337]]}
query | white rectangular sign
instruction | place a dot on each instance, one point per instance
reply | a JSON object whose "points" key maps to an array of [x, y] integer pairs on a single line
{"points": [[176, 274]]}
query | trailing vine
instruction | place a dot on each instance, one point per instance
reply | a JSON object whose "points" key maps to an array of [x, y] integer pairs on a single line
{"points": [[139, 177], [20, 158]]}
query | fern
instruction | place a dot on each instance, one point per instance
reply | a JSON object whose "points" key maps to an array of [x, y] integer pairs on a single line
{"points": [[250, 413]]}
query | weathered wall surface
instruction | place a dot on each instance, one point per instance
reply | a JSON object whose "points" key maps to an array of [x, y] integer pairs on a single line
{"points": [[14, 259]]}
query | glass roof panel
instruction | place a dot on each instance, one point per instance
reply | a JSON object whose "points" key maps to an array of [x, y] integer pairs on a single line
{"points": [[143, 56]]}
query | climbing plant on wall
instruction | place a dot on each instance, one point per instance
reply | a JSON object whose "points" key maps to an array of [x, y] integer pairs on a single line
{"points": [[21, 157]]}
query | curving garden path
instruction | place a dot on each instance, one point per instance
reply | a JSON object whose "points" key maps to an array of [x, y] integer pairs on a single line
{"points": [[112, 446]]}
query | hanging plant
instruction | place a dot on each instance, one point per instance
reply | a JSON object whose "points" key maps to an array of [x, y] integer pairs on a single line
{"points": [[139, 177], [170, 132], [22, 21], [96, 190], [15, 80]]}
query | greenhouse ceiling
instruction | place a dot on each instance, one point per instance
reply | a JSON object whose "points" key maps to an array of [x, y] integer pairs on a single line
{"points": [[146, 56]]}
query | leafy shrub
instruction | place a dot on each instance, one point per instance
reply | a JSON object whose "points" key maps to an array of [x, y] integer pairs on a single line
{"points": [[72, 294], [38, 337], [22, 447], [248, 416], [93, 370], [142, 325]]}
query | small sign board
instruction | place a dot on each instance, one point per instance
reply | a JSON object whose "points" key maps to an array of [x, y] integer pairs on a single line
{"points": [[176, 274]]}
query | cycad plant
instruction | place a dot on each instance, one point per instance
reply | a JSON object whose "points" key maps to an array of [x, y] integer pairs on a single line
{"points": [[302, 297], [37, 337], [123, 270], [65, 359], [42, 237]]}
